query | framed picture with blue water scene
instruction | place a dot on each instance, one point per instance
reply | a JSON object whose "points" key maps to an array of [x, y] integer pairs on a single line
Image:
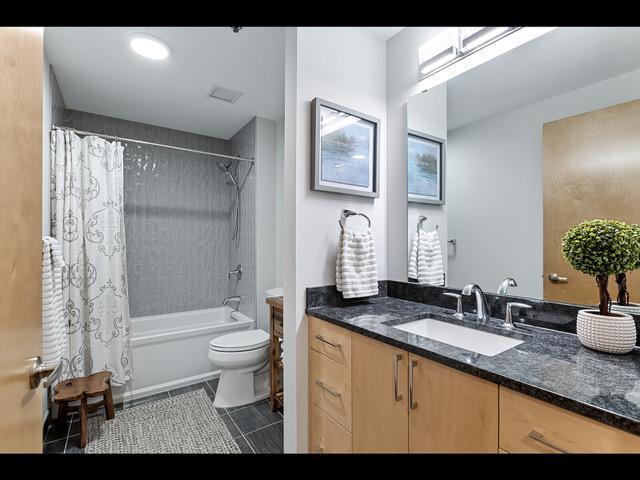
{"points": [[425, 168], [344, 151]]}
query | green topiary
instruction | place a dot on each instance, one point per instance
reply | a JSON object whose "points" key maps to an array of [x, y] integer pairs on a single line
{"points": [[601, 248], [621, 277]]}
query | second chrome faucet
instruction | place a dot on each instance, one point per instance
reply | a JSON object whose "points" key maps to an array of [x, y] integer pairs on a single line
{"points": [[482, 310]]}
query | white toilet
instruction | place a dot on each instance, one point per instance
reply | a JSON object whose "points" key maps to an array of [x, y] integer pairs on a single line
{"points": [[243, 358]]}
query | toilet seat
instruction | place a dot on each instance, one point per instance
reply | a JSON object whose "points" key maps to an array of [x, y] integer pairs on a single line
{"points": [[240, 341]]}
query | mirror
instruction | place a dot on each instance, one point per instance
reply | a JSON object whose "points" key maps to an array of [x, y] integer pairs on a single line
{"points": [[506, 157]]}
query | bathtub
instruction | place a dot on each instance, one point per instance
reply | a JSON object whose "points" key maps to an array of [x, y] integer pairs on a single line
{"points": [[170, 350]]}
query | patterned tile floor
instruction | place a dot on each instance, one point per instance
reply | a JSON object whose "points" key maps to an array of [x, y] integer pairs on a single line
{"points": [[255, 427]]}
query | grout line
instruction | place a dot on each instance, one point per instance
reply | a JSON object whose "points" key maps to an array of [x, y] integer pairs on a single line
{"points": [[249, 443], [66, 440], [270, 425]]}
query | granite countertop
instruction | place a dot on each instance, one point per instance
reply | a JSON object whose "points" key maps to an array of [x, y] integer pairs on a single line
{"points": [[550, 365]]}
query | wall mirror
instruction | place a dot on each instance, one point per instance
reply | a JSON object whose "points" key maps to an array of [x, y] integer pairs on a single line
{"points": [[525, 146]]}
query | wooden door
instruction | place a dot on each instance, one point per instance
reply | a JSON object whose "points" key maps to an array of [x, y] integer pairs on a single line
{"points": [[21, 72], [453, 412], [591, 170], [379, 396]]}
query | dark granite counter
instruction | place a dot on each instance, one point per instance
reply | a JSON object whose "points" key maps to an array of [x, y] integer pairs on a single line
{"points": [[550, 365]]}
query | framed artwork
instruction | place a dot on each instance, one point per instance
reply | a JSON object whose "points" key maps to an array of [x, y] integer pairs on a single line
{"points": [[344, 154], [425, 168]]}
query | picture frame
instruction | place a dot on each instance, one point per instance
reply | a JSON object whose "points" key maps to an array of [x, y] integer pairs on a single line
{"points": [[344, 151], [426, 166]]}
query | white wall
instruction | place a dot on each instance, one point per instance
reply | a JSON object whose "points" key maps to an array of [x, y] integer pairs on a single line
{"points": [[266, 155], [279, 186], [46, 128], [402, 83], [495, 187], [346, 66], [427, 113]]}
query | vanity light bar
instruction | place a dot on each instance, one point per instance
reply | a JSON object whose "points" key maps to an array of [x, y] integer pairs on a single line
{"points": [[464, 42]]}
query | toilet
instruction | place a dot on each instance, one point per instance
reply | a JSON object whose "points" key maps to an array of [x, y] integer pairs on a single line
{"points": [[243, 358]]}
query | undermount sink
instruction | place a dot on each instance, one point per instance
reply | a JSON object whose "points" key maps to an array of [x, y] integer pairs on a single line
{"points": [[484, 343]]}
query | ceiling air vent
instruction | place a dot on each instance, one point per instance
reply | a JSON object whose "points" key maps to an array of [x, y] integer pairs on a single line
{"points": [[225, 94]]}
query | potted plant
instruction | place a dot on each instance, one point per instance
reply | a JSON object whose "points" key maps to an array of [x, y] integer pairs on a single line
{"points": [[623, 304], [601, 248]]}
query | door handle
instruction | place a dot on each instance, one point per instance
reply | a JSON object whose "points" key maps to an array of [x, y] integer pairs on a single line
{"points": [[555, 278], [412, 405], [324, 340], [396, 360], [38, 371], [538, 437]]}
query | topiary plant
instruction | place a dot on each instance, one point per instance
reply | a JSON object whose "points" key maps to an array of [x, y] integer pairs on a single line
{"points": [[621, 277], [601, 248]]}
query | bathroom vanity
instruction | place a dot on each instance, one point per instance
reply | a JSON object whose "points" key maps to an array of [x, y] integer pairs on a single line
{"points": [[376, 387]]}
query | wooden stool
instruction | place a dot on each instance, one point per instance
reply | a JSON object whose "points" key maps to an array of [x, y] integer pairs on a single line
{"points": [[98, 384]]}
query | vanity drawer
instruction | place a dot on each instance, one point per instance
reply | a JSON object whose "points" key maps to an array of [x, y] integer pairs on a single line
{"points": [[325, 435], [330, 388], [332, 341], [529, 425]]}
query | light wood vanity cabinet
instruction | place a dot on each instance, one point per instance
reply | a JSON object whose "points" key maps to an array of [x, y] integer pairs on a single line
{"points": [[453, 412], [369, 397], [380, 399]]}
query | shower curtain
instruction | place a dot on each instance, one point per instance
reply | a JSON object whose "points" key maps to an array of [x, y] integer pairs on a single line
{"points": [[87, 218]]}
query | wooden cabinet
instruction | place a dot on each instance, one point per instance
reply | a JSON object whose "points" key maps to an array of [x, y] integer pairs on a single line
{"points": [[330, 340], [325, 434], [367, 396], [529, 425], [379, 384], [276, 394], [452, 411]]}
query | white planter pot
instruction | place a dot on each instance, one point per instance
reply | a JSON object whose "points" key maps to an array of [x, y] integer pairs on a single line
{"points": [[632, 308], [612, 334]]}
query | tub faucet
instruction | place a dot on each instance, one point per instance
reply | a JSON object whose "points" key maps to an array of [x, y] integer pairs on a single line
{"points": [[482, 311], [235, 298]]}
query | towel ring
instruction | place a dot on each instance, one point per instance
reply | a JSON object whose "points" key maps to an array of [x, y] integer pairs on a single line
{"points": [[421, 220], [349, 213]]}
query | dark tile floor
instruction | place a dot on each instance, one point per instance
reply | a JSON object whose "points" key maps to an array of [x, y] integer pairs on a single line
{"points": [[255, 427]]}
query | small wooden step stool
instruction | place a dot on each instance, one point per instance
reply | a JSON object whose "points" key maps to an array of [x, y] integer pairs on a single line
{"points": [[81, 388]]}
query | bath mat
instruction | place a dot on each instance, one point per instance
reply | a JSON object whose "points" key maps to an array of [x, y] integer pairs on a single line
{"points": [[186, 423]]}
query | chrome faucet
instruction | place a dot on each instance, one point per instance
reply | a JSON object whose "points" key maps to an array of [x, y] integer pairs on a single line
{"points": [[237, 271], [482, 310], [508, 319], [506, 283], [235, 298]]}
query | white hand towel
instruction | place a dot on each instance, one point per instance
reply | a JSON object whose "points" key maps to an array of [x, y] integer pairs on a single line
{"points": [[54, 331], [356, 266], [425, 262]]}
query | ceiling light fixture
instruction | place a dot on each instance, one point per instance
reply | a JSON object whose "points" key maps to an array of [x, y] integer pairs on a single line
{"points": [[149, 46], [457, 50]]}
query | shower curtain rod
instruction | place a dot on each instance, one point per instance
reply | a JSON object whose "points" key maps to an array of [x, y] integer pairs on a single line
{"points": [[83, 132]]}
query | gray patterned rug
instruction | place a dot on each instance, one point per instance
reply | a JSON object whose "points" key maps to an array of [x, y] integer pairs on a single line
{"points": [[187, 423]]}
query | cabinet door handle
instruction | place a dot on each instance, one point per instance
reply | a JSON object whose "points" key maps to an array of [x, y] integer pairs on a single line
{"points": [[412, 404], [396, 360], [324, 387], [324, 340], [538, 437]]}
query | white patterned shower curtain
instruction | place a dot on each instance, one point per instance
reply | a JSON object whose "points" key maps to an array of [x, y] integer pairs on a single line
{"points": [[87, 218]]}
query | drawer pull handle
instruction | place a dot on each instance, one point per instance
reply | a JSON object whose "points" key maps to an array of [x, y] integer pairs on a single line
{"points": [[320, 449], [396, 360], [538, 437], [324, 340], [324, 387], [412, 405]]}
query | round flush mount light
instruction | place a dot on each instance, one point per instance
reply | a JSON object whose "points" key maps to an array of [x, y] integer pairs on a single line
{"points": [[149, 46]]}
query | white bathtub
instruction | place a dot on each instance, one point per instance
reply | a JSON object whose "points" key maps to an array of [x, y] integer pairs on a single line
{"points": [[170, 350]]}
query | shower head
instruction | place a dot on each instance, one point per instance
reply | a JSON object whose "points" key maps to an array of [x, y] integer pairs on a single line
{"points": [[228, 175]]}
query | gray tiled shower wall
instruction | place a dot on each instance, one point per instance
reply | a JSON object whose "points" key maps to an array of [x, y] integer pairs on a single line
{"points": [[178, 217]]}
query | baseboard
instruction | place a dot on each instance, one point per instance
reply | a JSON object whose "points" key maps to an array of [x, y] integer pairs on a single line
{"points": [[124, 396]]}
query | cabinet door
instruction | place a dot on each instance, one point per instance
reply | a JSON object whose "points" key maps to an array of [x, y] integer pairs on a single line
{"points": [[379, 396], [452, 411]]}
